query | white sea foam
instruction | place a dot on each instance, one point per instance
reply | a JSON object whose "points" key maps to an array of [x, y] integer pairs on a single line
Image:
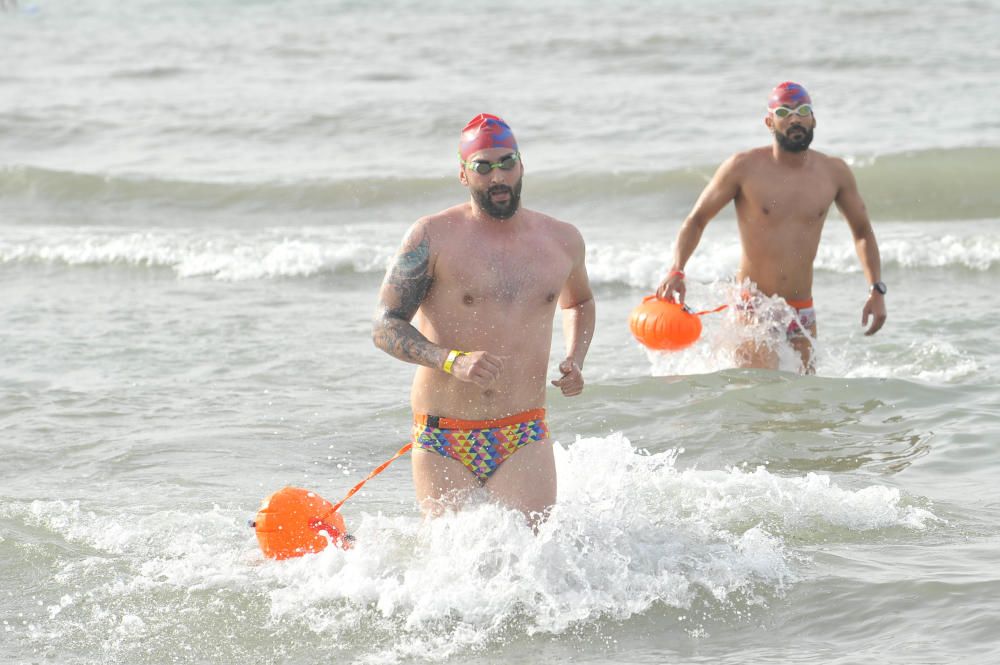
{"points": [[631, 531], [304, 252], [232, 256], [980, 252], [932, 361]]}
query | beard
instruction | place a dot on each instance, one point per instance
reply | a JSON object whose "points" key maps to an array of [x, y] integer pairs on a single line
{"points": [[800, 144], [504, 210]]}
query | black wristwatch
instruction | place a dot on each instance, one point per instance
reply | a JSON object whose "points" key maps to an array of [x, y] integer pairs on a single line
{"points": [[880, 287]]}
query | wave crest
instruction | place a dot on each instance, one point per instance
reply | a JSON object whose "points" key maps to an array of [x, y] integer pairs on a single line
{"points": [[955, 183]]}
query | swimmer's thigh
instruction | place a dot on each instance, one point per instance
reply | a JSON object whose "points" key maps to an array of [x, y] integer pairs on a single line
{"points": [[440, 482], [526, 480], [804, 346], [751, 354]]}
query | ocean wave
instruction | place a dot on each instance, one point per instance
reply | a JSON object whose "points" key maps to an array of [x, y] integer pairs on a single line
{"points": [[223, 256], [236, 255], [939, 184], [32, 184]]}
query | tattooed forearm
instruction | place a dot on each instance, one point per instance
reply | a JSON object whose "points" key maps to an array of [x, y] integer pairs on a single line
{"points": [[406, 285]]}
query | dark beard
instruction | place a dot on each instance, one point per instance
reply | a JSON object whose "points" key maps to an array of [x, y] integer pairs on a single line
{"points": [[794, 145], [501, 211]]}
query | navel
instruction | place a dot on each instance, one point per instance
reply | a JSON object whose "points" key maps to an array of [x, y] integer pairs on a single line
{"points": [[550, 297], [468, 299]]}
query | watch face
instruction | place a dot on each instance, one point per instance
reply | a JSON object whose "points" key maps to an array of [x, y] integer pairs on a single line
{"points": [[880, 287]]}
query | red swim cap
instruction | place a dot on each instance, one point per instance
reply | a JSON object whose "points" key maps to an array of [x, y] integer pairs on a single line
{"points": [[788, 94], [483, 132]]}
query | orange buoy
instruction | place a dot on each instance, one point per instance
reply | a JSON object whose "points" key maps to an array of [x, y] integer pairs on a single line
{"points": [[663, 325], [290, 523]]}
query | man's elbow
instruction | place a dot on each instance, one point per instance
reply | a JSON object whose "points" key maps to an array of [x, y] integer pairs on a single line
{"points": [[379, 328]]}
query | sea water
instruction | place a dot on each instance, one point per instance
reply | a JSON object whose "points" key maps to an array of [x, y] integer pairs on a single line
{"points": [[198, 202]]}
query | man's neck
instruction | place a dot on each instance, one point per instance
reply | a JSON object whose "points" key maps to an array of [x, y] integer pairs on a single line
{"points": [[788, 157]]}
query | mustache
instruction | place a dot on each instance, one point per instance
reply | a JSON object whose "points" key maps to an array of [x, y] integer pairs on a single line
{"points": [[499, 189]]}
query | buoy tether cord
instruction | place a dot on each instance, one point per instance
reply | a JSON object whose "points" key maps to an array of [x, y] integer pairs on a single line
{"points": [[379, 469], [710, 311]]}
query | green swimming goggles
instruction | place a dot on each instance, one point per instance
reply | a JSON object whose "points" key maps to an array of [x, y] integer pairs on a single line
{"points": [[783, 111], [483, 167]]}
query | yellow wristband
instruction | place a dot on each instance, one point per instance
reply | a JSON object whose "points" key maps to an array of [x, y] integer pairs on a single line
{"points": [[452, 356]]}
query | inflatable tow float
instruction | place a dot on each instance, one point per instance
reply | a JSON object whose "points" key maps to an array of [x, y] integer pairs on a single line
{"points": [[663, 325], [294, 521]]}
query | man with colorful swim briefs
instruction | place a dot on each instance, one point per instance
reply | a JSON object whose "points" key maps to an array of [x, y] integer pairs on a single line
{"points": [[782, 193], [483, 280]]}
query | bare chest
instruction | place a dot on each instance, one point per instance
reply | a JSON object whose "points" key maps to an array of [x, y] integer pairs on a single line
{"points": [[507, 275], [780, 198]]}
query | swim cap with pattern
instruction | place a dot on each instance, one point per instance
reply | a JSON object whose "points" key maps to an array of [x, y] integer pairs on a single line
{"points": [[788, 94], [483, 132]]}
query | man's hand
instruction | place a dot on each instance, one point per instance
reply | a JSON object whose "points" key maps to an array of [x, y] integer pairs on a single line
{"points": [[571, 381], [875, 307], [478, 367], [672, 284]]}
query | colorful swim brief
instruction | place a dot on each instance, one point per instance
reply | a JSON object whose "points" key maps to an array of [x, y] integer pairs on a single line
{"points": [[799, 327], [804, 321], [481, 445]]}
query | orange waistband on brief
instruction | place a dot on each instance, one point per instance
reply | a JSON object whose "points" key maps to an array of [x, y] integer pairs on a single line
{"points": [[800, 304], [456, 423], [796, 304]]}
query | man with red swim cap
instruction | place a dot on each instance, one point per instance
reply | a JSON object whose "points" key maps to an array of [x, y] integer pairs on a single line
{"points": [[485, 278], [782, 194]]}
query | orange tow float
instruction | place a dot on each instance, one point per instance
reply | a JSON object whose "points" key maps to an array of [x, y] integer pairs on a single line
{"points": [[663, 325], [290, 521], [294, 521]]}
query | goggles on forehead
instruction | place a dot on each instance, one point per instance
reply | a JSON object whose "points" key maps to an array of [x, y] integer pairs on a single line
{"points": [[783, 111], [482, 166]]}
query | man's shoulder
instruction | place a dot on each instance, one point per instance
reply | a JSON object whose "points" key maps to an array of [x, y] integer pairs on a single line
{"points": [[447, 216], [833, 162], [558, 236], [549, 224], [752, 154], [747, 158], [836, 167], [434, 226], [541, 218], [441, 223]]}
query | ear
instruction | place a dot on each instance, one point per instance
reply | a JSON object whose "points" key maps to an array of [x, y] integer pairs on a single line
{"points": [[769, 121], [462, 177]]}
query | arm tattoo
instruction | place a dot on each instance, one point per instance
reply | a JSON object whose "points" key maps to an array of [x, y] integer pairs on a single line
{"points": [[409, 278], [406, 285]]}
